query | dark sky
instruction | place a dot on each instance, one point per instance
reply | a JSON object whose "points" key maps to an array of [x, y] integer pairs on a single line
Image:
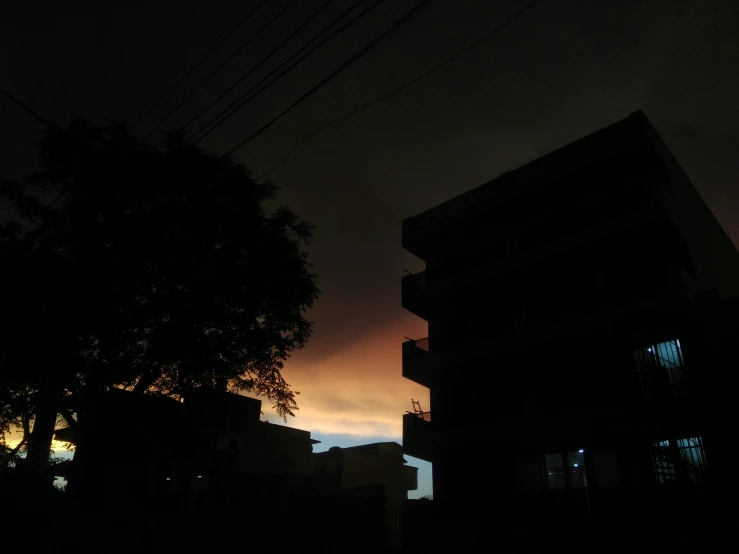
{"points": [[564, 69]]}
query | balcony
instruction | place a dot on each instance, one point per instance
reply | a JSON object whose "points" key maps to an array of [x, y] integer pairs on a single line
{"points": [[416, 361], [415, 294], [417, 435]]}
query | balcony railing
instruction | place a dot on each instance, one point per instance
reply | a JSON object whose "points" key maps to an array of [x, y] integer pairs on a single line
{"points": [[417, 435], [413, 294], [422, 344], [416, 361]]}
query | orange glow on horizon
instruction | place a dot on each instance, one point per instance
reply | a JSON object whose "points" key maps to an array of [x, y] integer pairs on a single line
{"points": [[358, 390]]}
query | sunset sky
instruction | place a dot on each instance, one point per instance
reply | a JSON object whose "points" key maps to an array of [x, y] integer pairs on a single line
{"points": [[562, 70]]}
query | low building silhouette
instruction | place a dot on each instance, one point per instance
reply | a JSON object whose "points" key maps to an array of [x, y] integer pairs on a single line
{"points": [[209, 455], [378, 467], [582, 312]]}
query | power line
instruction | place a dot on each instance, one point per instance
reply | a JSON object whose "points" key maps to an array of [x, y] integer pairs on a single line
{"points": [[217, 69], [261, 62], [404, 24], [25, 108], [401, 88], [46, 123], [218, 119], [255, 94], [197, 64], [361, 53]]}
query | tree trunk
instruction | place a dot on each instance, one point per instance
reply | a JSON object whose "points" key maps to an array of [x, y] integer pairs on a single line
{"points": [[147, 380], [42, 435], [50, 395]]}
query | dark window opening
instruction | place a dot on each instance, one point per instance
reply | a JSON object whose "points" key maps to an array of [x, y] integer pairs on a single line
{"points": [[232, 456], [464, 262], [565, 470], [487, 319], [633, 284], [577, 221], [537, 234], [625, 200]]}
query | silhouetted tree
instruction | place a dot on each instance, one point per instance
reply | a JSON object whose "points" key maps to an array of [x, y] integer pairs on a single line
{"points": [[153, 268]]}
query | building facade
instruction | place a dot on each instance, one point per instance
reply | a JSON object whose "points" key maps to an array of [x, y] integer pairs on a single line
{"points": [[581, 313]]}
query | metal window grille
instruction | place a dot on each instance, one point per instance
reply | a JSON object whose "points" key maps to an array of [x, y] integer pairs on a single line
{"points": [[664, 470], [688, 453], [693, 457], [660, 364]]}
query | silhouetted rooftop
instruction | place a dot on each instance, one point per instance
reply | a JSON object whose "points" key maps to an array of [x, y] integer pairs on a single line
{"points": [[595, 147]]}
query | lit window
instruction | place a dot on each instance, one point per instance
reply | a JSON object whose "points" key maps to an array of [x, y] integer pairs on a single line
{"points": [[683, 459], [662, 463], [693, 458], [660, 365]]}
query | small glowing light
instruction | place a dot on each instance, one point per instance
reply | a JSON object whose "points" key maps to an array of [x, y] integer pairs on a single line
{"points": [[649, 349], [169, 478], [200, 476], [576, 465], [581, 451]]}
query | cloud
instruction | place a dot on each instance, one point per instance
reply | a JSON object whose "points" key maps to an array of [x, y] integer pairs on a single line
{"points": [[359, 390]]}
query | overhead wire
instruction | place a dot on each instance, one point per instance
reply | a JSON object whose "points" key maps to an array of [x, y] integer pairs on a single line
{"points": [[241, 101], [401, 88], [197, 64], [25, 108], [217, 69], [353, 59], [259, 64], [44, 122]]}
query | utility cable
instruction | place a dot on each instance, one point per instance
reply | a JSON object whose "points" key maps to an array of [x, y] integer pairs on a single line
{"points": [[197, 64], [217, 69], [219, 118], [361, 53], [25, 108], [258, 65], [399, 89]]}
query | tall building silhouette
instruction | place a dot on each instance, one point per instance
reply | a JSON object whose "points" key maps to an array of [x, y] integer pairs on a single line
{"points": [[581, 314]]}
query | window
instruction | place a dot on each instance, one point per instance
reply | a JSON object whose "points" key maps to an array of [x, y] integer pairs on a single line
{"points": [[693, 458], [680, 460], [660, 366], [565, 470], [662, 463]]}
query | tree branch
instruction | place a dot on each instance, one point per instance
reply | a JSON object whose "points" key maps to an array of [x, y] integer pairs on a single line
{"points": [[146, 381], [13, 453], [68, 417]]}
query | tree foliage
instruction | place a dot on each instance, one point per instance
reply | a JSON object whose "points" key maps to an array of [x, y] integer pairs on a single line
{"points": [[154, 268]]}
